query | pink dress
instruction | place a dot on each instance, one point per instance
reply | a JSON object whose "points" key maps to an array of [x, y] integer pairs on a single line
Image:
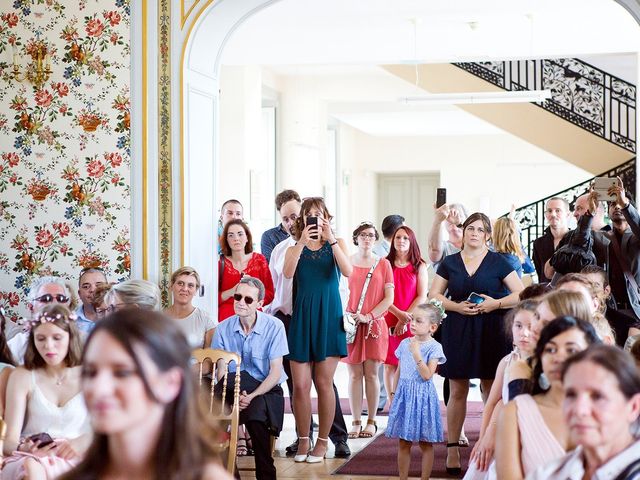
{"points": [[374, 345], [538, 444], [406, 281]]}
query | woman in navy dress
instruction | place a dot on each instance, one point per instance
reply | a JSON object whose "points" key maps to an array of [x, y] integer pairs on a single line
{"points": [[473, 334], [316, 336]]}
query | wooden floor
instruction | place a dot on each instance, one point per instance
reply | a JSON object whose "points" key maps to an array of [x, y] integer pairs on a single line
{"points": [[289, 470]]}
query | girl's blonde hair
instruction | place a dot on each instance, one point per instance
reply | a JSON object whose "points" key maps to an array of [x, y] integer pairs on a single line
{"points": [[506, 238], [432, 312]]}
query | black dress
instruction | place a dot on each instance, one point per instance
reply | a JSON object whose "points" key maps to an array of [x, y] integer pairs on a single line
{"points": [[474, 344]]}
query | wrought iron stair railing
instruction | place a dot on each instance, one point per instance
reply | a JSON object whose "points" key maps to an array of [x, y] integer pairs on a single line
{"points": [[582, 94], [530, 218]]}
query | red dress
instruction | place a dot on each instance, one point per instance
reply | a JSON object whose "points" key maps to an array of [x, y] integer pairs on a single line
{"points": [[257, 267], [370, 348], [406, 281]]}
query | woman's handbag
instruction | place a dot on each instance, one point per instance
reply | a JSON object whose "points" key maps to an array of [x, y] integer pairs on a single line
{"points": [[349, 322]]}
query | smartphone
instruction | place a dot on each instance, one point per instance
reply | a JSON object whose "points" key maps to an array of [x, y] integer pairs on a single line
{"points": [[313, 221], [44, 439], [441, 197], [601, 185], [475, 298]]}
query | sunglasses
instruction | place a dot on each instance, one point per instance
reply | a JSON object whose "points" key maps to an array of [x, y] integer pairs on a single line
{"points": [[248, 300], [48, 298]]}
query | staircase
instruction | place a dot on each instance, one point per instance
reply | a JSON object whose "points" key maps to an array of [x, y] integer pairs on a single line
{"points": [[589, 121]]}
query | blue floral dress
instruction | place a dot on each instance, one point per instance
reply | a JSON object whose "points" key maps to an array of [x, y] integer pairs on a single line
{"points": [[415, 411]]}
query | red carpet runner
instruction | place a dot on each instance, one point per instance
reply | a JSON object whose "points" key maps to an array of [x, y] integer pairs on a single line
{"points": [[380, 456]]}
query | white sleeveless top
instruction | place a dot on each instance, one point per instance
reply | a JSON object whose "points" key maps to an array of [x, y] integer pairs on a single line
{"points": [[68, 421]]}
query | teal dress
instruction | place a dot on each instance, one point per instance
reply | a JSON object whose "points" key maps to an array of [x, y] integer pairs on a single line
{"points": [[316, 330]]}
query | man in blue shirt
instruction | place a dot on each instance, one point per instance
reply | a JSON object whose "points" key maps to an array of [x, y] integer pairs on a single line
{"points": [[288, 205], [261, 342], [90, 279]]}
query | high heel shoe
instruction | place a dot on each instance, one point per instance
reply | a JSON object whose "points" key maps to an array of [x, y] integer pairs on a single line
{"points": [[302, 457], [317, 459], [452, 470]]}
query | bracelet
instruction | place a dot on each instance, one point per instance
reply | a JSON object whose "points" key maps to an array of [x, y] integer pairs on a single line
{"points": [[334, 243], [392, 393]]}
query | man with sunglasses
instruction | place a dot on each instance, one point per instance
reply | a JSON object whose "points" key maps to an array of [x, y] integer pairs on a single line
{"points": [[261, 342], [90, 279], [44, 290]]}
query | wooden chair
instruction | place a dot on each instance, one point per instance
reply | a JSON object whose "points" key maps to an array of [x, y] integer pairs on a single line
{"points": [[3, 434], [220, 360]]}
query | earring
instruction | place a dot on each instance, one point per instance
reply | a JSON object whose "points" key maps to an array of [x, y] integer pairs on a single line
{"points": [[543, 382]]}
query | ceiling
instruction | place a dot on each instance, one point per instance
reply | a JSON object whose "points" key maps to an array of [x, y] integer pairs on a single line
{"points": [[334, 38]]}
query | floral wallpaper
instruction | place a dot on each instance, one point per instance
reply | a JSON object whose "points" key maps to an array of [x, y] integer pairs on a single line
{"points": [[64, 145]]}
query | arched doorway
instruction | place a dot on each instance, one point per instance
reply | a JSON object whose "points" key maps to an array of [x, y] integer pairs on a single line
{"points": [[199, 96]]}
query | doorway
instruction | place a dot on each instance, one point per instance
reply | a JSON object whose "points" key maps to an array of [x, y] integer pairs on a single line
{"points": [[411, 195]]}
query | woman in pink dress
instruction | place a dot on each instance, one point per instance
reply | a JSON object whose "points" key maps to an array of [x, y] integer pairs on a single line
{"points": [[369, 349], [531, 430], [411, 287], [239, 259]]}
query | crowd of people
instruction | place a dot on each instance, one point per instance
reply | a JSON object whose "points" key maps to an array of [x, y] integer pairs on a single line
{"points": [[101, 385]]}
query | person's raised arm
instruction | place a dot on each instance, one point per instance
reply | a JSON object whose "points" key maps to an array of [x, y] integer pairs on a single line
{"points": [[436, 234], [508, 461]]}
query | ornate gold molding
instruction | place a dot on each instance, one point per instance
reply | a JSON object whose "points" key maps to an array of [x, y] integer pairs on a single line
{"points": [[185, 15], [165, 220]]}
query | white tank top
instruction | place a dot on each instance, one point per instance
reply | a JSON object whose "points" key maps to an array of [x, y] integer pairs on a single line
{"points": [[68, 421]]}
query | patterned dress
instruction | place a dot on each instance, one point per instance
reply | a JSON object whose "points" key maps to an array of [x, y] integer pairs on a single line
{"points": [[415, 411]]}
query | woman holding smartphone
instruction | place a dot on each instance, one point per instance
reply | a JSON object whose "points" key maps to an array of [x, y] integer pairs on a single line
{"points": [[47, 422], [316, 336], [481, 285]]}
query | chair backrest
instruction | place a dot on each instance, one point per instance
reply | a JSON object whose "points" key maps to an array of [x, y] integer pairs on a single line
{"points": [[220, 360], [3, 434]]}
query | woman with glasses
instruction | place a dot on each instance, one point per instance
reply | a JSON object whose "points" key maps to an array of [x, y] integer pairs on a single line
{"points": [[316, 336], [133, 293], [239, 259], [480, 286], [369, 348], [197, 324], [47, 423], [410, 278]]}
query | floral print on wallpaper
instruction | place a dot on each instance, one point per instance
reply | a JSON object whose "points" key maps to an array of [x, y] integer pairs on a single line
{"points": [[65, 145]]}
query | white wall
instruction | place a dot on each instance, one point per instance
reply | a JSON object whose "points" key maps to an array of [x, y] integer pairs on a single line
{"points": [[486, 173]]}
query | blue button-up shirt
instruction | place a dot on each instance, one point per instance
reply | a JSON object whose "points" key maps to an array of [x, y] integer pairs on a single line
{"points": [[83, 323], [270, 239], [266, 342]]}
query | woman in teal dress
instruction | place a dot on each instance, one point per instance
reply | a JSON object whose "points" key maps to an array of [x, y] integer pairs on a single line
{"points": [[316, 337]]}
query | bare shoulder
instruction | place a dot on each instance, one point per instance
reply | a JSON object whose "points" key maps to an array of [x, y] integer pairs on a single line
{"points": [[519, 369], [215, 471]]}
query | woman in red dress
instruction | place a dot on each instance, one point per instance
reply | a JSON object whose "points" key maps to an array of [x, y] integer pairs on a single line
{"points": [[411, 287], [239, 259]]}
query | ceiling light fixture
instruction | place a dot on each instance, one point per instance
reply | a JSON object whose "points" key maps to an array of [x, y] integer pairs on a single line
{"points": [[524, 96]]}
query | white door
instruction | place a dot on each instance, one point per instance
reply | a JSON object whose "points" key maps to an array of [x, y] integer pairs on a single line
{"points": [[411, 195]]}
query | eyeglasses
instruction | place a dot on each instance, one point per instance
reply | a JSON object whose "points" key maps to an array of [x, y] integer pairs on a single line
{"points": [[48, 298], [248, 300], [101, 312], [367, 235]]}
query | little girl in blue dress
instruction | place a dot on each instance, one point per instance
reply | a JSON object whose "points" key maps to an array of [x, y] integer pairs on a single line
{"points": [[415, 409]]}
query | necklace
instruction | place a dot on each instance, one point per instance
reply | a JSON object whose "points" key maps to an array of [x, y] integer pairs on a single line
{"points": [[467, 258], [60, 380]]}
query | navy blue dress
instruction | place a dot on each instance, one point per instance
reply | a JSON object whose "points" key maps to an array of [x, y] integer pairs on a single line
{"points": [[474, 344]]}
